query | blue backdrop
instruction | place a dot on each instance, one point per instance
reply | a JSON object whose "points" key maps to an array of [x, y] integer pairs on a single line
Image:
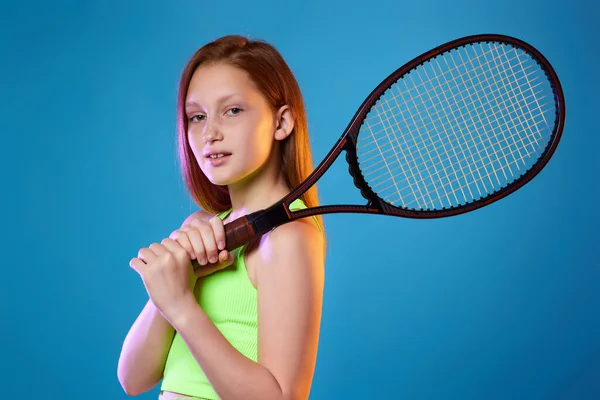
{"points": [[501, 303]]}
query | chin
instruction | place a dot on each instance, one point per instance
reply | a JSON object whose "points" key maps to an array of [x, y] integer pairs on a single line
{"points": [[220, 178], [225, 179], [217, 180], [230, 174]]}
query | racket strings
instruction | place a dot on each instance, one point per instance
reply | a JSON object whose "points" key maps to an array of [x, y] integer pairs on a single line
{"points": [[440, 163], [531, 89], [369, 172], [455, 131], [433, 107], [374, 154], [451, 70], [478, 115], [484, 166]]}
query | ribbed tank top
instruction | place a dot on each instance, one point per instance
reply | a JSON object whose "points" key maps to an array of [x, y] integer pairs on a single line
{"points": [[230, 301]]}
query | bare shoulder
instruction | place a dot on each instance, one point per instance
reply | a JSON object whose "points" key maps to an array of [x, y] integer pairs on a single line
{"points": [[292, 249], [294, 238], [200, 214]]}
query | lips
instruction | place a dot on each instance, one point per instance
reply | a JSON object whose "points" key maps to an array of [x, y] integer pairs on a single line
{"points": [[217, 158], [216, 154]]}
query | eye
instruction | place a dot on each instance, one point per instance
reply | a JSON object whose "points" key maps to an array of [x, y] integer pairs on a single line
{"points": [[234, 111], [197, 118]]}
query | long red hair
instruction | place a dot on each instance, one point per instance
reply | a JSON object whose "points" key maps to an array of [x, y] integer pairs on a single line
{"points": [[273, 77]]}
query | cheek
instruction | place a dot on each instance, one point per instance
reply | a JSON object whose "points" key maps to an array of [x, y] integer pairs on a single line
{"points": [[255, 151], [195, 141], [197, 146], [262, 149], [262, 139]]}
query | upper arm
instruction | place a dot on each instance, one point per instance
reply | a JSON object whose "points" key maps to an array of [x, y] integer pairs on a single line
{"points": [[290, 281]]}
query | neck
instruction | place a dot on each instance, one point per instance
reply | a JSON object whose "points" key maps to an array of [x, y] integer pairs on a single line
{"points": [[259, 191]]}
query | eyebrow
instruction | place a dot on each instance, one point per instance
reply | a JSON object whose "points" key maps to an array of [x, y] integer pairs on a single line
{"points": [[219, 100]]}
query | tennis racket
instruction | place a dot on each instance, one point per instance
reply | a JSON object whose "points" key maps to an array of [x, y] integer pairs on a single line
{"points": [[455, 129]]}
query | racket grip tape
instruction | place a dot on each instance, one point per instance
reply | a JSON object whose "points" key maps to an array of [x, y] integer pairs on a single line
{"points": [[238, 233]]}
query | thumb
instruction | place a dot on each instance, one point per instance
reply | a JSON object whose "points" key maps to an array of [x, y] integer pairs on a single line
{"points": [[225, 258]]}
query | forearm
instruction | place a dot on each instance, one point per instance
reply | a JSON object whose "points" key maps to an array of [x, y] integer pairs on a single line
{"points": [[144, 351], [231, 374]]}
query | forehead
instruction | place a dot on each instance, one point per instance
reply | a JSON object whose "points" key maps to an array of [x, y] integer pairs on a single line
{"points": [[213, 81]]}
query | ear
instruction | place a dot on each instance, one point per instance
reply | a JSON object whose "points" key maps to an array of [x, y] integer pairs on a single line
{"points": [[284, 123]]}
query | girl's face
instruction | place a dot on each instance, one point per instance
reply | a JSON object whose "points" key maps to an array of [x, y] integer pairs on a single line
{"points": [[230, 123]]}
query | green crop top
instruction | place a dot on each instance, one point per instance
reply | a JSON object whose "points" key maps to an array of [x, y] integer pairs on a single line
{"points": [[230, 301]]}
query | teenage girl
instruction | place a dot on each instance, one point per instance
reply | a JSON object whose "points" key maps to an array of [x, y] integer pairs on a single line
{"points": [[245, 325]]}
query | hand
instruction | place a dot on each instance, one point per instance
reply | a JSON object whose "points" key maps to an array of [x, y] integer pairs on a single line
{"points": [[167, 274], [205, 243]]}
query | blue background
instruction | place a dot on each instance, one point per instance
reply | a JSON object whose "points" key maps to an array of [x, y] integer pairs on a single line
{"points": [[501, 303]]}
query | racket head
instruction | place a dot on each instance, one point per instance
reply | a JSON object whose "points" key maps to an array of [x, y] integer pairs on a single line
{"points": [[483, 93]]}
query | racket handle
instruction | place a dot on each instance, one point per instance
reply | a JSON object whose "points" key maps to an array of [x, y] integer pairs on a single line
{"points": [[238, 233]]}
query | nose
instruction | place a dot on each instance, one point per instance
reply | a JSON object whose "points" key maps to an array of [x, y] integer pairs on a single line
{"points": [[211, 133]]}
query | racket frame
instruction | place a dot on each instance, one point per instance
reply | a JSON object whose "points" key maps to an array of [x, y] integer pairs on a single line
{"points": [[260, 222]]}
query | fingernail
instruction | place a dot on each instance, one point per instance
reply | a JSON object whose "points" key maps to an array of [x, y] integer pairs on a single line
{"points": [[203, 261], [213, 260], [221, 245], [193, 256]]}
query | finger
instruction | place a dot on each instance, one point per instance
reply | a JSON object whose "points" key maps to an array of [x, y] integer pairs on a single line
{"points": [[175, 248], [183, 239], [137, 265], [197, 243], [146, 255], [225, 258], [219, 230], [158, 249], [208, 238]]}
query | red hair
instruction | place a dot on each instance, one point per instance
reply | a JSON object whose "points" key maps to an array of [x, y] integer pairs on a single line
{"points": [[273, 77]]}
